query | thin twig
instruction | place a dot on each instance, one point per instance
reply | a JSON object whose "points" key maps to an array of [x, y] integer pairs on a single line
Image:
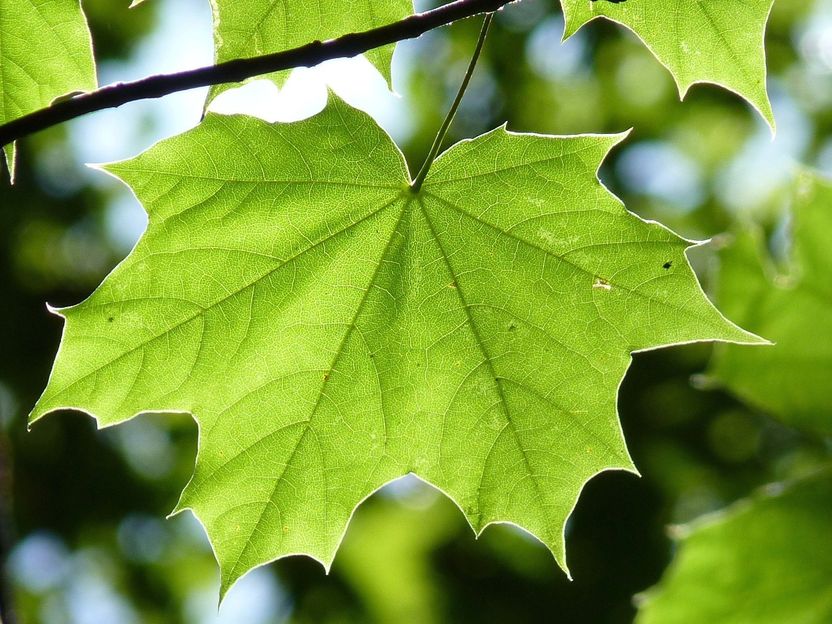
{"points": [[449, 118], [240, 69]]}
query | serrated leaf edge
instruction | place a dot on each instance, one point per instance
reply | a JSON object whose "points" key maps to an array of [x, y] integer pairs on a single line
{"points": [[326, 563], [765, 112]]}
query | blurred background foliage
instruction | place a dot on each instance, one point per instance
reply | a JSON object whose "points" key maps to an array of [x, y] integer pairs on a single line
{"points": [[83, 529]]}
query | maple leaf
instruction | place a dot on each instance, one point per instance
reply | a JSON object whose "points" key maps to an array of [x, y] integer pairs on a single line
{"points": [[697, 40], [793, 308], [45, 52], [331, 330], [256, 27], [767, 560]]}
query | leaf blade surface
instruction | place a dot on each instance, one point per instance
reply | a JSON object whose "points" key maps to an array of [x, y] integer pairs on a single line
{"points": [[698, 40], [45, 52], [257, 27], [331, 330]]}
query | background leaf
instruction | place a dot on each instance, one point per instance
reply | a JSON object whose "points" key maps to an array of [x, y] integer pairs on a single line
{"points": [[45, 52], [765, 560], [254, 27], [793, 309], [698, 41]]}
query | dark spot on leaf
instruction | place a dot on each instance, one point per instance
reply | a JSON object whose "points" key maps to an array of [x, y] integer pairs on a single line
{"points": [[110, 319], [512, 327], [612, 1], [667, 264]]}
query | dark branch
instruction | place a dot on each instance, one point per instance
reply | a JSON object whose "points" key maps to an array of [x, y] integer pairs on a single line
{"points": [[240, 69]]}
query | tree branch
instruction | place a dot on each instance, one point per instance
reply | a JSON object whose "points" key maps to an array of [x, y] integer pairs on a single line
{"points": [[449, 118], [238, 70]]}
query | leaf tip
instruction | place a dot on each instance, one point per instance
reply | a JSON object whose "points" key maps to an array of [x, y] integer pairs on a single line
{"points": [[772, 126], [38, 412], [612, 141], [108, 168], [57, 311], [571, 25], [32, 418], [747, 339], [617, 138], [624, 134], [9, 153], [178, 509], [762, 106], [739, 336]]}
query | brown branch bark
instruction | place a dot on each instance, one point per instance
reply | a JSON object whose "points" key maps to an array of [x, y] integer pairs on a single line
{"points": [[238, 70]]}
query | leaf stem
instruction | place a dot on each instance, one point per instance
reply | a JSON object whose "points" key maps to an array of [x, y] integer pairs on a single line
{"points": [[237, 70], [443, 130]]}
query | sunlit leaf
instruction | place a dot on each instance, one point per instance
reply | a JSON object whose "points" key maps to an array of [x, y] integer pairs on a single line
{"points": [[45, 52], [249, 28], [720, 41], [331, 330]]}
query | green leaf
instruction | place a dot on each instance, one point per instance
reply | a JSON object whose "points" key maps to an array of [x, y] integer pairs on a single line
{"points": [[794, 310], [766, 560], [330, 330], [248, 28], [45, 52], [720, 41]]}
